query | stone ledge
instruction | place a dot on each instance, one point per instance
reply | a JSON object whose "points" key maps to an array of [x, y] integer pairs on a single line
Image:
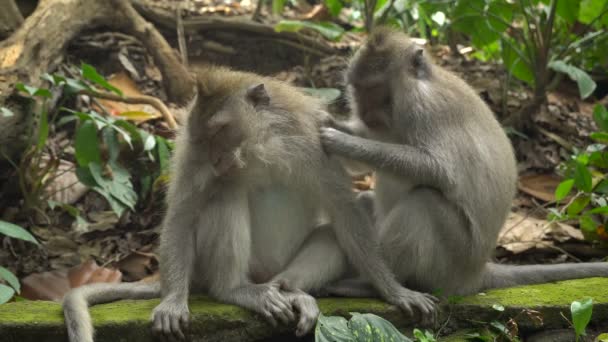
{"points": [[128, 320]]}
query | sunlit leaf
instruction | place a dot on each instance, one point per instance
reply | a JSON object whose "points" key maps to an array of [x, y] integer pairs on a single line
{"points": [[563, 189], [14, 231], [328, 95]]}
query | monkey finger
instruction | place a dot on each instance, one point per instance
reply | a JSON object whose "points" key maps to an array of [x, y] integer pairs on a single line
{"points": [[184, 320], [176, 330], [281, 314], [431, 297], [269, 318]]}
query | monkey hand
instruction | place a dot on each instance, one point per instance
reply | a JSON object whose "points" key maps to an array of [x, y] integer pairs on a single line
{"points": [[334, 141], [424, 303], [169, 317], [274, 305], [304, 304], [225, 139]]}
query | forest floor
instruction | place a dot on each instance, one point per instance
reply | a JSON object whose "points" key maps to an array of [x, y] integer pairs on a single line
{"points": [[103, 247]]}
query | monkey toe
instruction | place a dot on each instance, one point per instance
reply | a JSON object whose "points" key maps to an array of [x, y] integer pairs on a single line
{"points": [[270, 318]]}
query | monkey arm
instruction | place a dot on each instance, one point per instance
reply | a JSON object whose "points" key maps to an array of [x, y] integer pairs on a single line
{"points": [[408, 161]]}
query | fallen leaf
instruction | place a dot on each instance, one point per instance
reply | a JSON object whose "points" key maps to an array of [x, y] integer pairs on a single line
{"points": [[541, 186], [53, 285], [137, 265], [521, 233], [144, 112]]}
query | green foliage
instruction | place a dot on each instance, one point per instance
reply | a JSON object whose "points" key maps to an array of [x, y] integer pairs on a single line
{"points": [[16, 232], [585, 172], [107, 150], [537, 41], [425, 336], [361, 327], [581, 316]]}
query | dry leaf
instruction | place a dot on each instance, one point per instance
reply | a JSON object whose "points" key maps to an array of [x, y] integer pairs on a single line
{"points": [[53, 285], [521, 233], [137, 265], [541, 186], [137, 113]]}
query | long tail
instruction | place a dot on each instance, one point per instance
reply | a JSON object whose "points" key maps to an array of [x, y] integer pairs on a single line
{"points": [[498, 275], [76, 302]]}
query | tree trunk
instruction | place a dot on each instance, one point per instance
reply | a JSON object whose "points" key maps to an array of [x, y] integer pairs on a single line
{"points": [[10, 18], [39, 44]]}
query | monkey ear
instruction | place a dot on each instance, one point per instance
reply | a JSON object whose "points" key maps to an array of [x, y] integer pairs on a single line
{"points": [[420, 63], [258, 96]]}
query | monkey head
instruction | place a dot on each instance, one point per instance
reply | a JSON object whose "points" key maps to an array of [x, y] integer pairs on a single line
{"points": [[387, 68]]}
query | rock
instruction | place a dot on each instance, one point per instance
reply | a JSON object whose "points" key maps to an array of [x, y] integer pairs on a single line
{"points": [[128, 320]]}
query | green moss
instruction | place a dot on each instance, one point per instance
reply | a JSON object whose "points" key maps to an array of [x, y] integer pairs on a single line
{"points": [[129, 320], [553, 294]]}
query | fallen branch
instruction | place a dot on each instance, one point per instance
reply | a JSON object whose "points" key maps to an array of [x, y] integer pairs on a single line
{"points": [[142, 99]]}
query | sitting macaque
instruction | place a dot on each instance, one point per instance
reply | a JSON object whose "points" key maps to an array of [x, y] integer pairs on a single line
{"points": [[445, 173], [249, 179]]}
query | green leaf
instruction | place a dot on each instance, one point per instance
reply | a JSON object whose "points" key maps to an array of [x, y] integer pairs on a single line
{"points": [[581, 315], [602, 187], [578, 204], [86, 144], [327, 29], [600, 116], [586, 85], [601, 137], [277, 6], [590, 9], [6, 112], [163, 154], [603, 337], [10, 279], [43, 129], [563, 189], [33, 91], [119, 187], [369, 327], [582, 178], [568, 10], [332, 329], [328, 95], [111, 141], [89, 73], [513, 61], [334, 7], [598, 210], [14, 231], [6, 293], [587, 225]]}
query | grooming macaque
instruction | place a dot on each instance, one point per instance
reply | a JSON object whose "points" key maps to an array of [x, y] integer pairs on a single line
{"points": [[445, 170], [249, 180]]}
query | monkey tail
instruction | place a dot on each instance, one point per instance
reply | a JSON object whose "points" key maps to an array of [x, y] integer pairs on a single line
{"points": [[76, 302], [498, 275]]}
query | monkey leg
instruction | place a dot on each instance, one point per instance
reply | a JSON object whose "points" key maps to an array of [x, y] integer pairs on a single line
{"points": [[427, 242], [319, 262]]}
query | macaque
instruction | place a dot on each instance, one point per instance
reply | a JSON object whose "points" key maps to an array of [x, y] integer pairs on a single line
{"points": [[249, 180], [445, 170]]}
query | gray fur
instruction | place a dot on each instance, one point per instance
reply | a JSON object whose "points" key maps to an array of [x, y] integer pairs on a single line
{"points": [[446, 172]]}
